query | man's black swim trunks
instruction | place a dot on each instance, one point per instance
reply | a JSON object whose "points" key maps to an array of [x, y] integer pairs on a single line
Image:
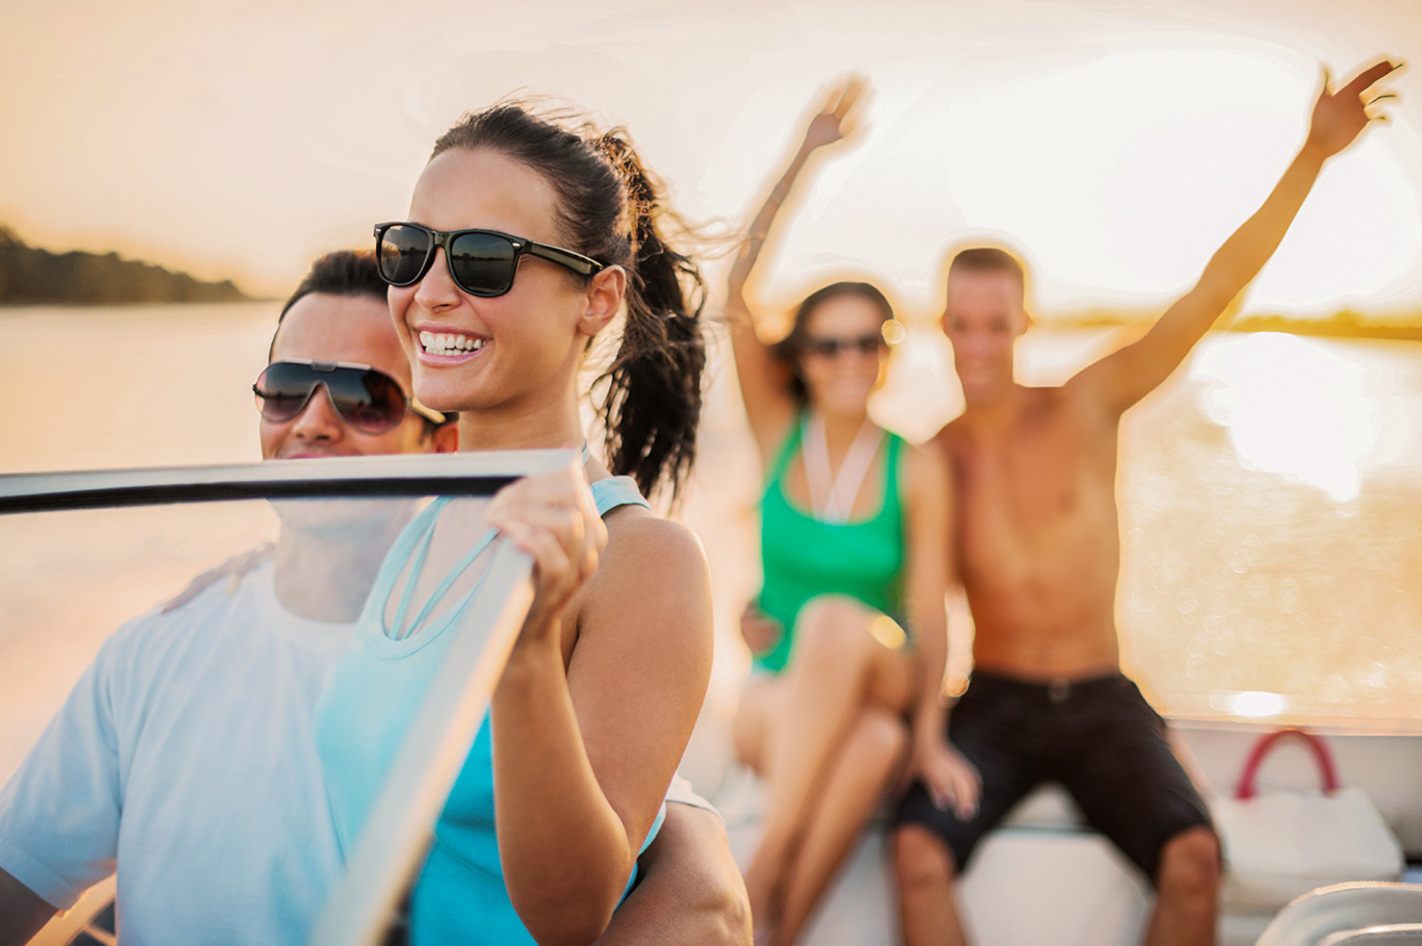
{"points": [[1097, 737]]}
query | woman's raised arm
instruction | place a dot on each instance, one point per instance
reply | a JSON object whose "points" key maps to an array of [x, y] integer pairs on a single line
{"points": [[768, 401]]}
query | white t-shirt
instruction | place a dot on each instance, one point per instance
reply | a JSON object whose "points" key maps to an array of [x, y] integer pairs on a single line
{"points": [[184, 759], [680, 792]]}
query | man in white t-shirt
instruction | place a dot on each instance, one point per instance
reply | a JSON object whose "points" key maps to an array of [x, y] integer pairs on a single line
{"points": [[183, 759]]}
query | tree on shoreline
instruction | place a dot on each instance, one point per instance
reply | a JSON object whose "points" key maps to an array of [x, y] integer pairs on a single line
{"points": [[31, 275]]}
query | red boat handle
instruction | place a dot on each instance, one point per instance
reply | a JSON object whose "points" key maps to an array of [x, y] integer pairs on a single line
{"points": [[1326, 768]]}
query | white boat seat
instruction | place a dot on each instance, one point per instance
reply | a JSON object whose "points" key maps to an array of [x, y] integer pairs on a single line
{"points": [[1081, 891], [1314, 918]]}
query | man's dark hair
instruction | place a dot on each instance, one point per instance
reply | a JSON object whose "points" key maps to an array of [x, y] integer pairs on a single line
{"points": [[351, 274], [988, 259]]}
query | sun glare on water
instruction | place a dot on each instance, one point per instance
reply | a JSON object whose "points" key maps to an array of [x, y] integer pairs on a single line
{"points": [[1293, 407], [1251, 704]]}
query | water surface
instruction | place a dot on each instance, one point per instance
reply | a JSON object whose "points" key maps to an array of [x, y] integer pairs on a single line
{"points": [[1271, 491]]}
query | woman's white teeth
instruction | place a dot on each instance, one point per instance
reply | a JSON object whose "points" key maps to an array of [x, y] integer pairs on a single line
{"points": [[443, 343]]}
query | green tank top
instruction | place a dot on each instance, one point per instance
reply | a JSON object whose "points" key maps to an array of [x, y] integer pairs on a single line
{"points": [[803, 557]]}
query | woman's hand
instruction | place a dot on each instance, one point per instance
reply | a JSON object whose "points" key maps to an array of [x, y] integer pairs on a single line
{"points": [[770, 405], [760, 631], [951, 780], [553, 518], [833, 123]]}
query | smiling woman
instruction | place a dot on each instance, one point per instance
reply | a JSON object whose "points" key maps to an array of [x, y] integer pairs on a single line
{"points": [[525, 240]]}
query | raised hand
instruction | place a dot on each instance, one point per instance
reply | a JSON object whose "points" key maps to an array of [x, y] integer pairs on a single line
{"points": [[833, 122], [1338, 117], [769, 403]]}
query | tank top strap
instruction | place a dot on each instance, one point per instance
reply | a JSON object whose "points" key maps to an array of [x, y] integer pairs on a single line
{"points": [[617, 491], [893, 471], [786, 453], [405, 547]]}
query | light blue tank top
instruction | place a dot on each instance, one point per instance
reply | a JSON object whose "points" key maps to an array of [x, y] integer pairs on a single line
{"points": [[361, 719]]}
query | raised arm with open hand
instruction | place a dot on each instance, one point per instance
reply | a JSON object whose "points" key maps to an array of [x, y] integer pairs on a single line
{"points": [[1126, 376], [1339, 117], [768, 402], [833, 123]]}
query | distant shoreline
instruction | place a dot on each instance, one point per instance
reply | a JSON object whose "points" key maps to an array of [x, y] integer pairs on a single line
{"points": [[1346, 324], [1327, 328], [31, 276], [8, 306]]}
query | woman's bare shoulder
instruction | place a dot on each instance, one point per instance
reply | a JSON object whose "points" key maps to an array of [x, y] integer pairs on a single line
{"points": [[652, 570], [644, 547], [645, 615]]}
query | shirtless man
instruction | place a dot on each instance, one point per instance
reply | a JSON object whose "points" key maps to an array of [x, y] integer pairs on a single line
{"points": [[1038, 554]]}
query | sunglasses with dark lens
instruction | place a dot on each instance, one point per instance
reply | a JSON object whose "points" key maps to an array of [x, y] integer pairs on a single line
{"points": [[481, 262], [366, 399], [831, 347]]}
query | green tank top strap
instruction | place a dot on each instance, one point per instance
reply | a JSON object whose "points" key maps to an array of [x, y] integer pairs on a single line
{"points": [[893, 471], [786, 453]]}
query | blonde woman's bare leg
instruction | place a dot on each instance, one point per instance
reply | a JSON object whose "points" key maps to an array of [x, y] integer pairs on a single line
{"points": [[836, 669], [860, 773]]}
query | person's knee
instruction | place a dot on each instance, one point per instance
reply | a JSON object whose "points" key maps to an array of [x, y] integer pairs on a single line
{"points": [[922, 862], [1190, 865], [755, 710], [829, 628], [879, 739]]}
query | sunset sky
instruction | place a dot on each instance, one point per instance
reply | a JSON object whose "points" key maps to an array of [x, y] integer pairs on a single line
{"points": [[1118, 143]]}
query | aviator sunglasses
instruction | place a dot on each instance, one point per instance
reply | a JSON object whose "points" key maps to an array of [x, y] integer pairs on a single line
{"points": [[831, 347], [366, 399], [481, 262]]}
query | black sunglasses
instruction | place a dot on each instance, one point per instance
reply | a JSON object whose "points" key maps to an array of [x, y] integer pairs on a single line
{"points": [[831, 347], [482, 262], [369, 400]]}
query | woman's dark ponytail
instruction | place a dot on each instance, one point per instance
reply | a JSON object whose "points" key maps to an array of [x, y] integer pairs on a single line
{"points": [[653, 401], [610, 210]]}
